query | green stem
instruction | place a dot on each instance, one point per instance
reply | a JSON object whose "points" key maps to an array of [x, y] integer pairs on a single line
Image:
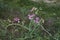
{"points": [[18, 25]]}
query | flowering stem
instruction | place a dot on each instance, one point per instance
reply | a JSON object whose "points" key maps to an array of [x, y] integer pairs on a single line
{"points": [[35, 26], [30, 24]]}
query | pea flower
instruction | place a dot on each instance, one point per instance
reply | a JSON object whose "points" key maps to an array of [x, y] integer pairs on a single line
{"points": [[36, 20], [31, 16], [16, 19]]}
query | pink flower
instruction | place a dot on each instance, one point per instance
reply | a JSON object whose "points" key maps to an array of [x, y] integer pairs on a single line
{"points": [[16, 19], [30, 16], [36, 20]]}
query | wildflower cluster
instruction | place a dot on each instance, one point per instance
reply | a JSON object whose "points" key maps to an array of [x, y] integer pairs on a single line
{"points": [[33, 17]]}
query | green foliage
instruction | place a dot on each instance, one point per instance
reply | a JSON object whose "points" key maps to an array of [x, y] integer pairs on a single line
{"points": [[26, 29]]}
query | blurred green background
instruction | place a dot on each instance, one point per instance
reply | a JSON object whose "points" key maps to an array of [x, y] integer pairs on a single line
{"points": [[50, 12]]}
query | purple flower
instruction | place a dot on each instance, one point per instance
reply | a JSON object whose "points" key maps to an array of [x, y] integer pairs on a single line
{"points": [[36, 20], [16, 19], [30, 16]]}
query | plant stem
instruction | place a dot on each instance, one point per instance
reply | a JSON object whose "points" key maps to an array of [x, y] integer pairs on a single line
{"points": [[18, 25]]}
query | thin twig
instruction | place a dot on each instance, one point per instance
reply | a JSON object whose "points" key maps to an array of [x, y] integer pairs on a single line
{"points": [[46, 30]]}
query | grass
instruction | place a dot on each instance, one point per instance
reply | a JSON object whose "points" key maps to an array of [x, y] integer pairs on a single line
{"points": [[48, 27]]}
